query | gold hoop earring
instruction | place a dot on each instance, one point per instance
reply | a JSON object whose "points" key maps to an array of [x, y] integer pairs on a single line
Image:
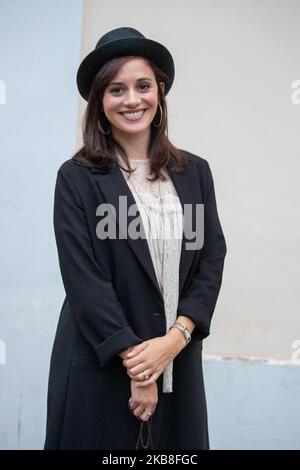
{"points": [[100, 128], [161, 115]]}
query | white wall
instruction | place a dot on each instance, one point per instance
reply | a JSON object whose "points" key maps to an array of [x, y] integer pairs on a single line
{"points": [[231, 104], [236, 61]]}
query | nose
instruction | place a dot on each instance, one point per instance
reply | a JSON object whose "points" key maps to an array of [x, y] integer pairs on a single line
{"points": [[132, 99]]}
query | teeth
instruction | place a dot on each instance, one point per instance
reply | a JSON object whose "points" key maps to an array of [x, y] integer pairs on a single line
{"points": [[133, 116]]}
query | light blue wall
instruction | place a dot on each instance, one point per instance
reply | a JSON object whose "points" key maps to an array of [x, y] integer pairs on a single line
{"points": [[252, 405], [40, 53]]}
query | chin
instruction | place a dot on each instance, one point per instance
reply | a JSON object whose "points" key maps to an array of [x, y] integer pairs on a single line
{"points": [[131, 129]]}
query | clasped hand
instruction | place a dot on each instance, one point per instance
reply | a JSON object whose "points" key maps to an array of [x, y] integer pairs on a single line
{"points": [[150, 357]]}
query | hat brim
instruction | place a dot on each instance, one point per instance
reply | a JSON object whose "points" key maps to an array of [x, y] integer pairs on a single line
{"points": [[148, 48]]}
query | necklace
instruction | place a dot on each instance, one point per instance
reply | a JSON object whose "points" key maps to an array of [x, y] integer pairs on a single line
{"points": [[160, 251]]}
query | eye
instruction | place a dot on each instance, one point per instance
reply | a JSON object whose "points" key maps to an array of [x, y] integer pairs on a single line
{"points": [[142, 85], [114, 90], [145, 84]]}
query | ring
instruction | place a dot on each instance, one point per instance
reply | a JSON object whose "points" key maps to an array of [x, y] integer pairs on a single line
{"points": [[147, 412], [146, 376]]}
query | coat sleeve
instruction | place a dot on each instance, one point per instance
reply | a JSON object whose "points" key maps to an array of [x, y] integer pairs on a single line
{"points": [[93, 300], [201, 296]]}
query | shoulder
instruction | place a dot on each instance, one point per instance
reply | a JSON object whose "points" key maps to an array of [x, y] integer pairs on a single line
{"points": [[73, 181], [201, 165], [71, 169], [194, 159], [73, 175]]}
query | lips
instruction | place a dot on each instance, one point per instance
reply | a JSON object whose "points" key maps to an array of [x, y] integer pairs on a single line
{"points": [[136, 111], [133, 119]]}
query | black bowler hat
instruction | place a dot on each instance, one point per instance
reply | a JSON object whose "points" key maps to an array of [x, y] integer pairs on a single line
{"points": [[122, 42]]}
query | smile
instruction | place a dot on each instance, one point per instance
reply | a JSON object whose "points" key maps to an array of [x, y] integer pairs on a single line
{"points": [[135, 116]]}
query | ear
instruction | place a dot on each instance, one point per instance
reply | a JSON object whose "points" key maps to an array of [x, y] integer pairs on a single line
{"points": [[162, 85]]}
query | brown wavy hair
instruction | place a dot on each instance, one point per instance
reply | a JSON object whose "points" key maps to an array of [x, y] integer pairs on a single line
{"points": [[99, 150]]}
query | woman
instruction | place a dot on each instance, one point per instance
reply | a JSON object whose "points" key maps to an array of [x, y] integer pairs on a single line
{"points": [[128, 346]]}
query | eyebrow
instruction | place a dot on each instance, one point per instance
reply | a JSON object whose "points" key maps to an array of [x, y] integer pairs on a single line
{"points": [[122, 83]]}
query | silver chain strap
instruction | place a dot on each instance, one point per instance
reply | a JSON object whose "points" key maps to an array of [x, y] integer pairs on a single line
{"points": [[140, 438]]}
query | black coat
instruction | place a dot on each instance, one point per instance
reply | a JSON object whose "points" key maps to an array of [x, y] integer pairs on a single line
{"points": [[113, 301]]}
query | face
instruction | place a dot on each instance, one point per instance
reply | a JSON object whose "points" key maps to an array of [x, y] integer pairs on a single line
{"points": [[132, 90]]}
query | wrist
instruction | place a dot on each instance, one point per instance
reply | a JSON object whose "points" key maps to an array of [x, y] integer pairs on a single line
{"points": [[123, 354], [176, 339], [187, 321], [184, 330]]}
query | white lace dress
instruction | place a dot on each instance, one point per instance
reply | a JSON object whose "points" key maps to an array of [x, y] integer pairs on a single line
{"points": [[163, 229]]}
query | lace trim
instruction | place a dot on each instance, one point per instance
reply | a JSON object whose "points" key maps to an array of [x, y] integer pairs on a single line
{"points": [[164, 244]]}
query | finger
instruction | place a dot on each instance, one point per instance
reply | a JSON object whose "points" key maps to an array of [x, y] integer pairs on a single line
{"points": [[146, 414], [141, 376], [136, 378], [133, 377], [139, 369], [134, 361], [132, 403], [138, 411], [146, 383], [137, 349], [130, 406]]}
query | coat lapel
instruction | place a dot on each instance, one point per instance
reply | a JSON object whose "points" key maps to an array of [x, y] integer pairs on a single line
{"points": [[112, 184]]}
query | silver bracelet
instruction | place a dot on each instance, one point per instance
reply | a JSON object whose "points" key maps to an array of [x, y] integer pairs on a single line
{"points": [[183, 330]]}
